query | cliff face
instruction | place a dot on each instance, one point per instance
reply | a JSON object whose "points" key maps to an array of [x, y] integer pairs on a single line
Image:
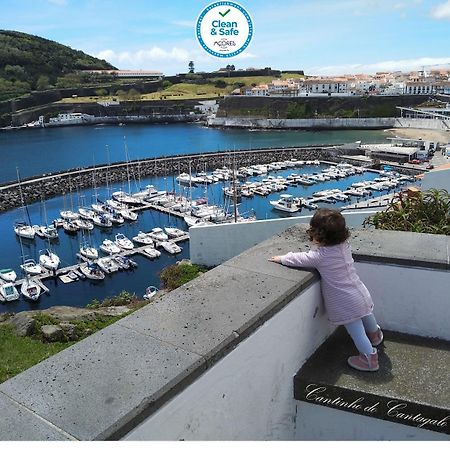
{"points": [[315, 107]]}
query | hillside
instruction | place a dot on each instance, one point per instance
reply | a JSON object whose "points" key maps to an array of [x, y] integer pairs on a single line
{"points": [[30, 62]]}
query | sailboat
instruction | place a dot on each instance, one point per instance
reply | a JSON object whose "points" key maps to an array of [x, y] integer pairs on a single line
{"points": [[69, 214], [49, 259], [87, 250], [30, 289], [23, 228], [126, 197], [46, 231]]}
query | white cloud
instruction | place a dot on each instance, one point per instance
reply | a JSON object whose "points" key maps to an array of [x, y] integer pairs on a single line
{"points": [[184, 23], [145, 58], [390, 66], [441, 11]]}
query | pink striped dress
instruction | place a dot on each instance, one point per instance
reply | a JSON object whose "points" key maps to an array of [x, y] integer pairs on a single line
{"points": [[345, 295]]}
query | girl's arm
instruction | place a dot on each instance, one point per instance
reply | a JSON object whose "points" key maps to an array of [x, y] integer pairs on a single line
{"points": [[298, 259]]}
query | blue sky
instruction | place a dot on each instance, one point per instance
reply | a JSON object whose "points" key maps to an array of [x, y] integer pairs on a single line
{"points": [[320, 36]]}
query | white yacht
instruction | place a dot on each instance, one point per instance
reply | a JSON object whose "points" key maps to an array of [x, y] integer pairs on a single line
{"points": [[173, 232], [109, 247], [69, 215], [171, 247], [8, 292], [88, 252], [83, 224], [128, 215], [91, 271], [285, 203], [8, 275], [123, 242], [102, 220], [143, 238], [151, 252], [30, 267], [107, 264], [86, 213], [158, 234]]}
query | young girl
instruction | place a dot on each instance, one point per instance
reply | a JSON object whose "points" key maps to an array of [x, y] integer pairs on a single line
{"points": [[347, 300]]}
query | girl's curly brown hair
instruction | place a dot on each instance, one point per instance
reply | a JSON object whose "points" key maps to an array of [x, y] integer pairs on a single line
{"points": [[328, 227]]}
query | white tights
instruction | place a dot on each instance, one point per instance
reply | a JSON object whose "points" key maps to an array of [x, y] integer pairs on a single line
{"points": [[357, 331]]}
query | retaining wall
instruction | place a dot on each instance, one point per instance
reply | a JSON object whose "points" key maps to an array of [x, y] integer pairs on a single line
{"points": [[242, 122]]}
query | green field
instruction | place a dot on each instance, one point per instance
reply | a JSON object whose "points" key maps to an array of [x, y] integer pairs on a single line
{"points": [[188, 91]]}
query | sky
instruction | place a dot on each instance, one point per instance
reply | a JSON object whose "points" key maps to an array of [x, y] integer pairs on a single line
{"points": [[321, 37]]}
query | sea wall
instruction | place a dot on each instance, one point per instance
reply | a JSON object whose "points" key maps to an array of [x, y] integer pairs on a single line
{"points": [[150, 111], [429, 124], [54, 184], [361, 123]]}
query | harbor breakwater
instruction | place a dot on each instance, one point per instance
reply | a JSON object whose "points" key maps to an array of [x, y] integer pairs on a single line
{"points": [[54, 184], [318, 124]]}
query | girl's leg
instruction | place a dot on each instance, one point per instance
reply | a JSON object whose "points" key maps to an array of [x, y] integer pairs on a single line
{"points": [[373, 330], [358, 334], [370, 323]]}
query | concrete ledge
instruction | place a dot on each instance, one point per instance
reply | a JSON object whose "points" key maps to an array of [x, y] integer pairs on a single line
{"points": [[102, 387]]}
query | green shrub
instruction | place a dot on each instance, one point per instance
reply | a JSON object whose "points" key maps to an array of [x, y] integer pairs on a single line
{"points": [[424, 212]]}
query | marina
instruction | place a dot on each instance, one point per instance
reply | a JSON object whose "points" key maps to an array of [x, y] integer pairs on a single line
{"points": [[158, 202]]}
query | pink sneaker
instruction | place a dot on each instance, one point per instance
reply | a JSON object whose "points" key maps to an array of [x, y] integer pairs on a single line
{"points": [[365, 363], [376, 337]]}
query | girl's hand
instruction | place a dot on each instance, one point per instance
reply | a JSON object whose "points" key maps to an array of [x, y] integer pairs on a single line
{"points": [[275, 259]]}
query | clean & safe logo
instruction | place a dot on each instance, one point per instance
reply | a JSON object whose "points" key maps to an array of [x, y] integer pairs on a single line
{"points": [[224, 29]]}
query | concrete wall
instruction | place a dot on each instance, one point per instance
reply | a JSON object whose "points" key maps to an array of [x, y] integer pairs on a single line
{"points": [[248, 394], [432, 124], [211, 245], [243, 122], [215, 358]]}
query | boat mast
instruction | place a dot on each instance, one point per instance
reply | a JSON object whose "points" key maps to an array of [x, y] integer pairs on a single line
{"points": [[21, 196], [127, 161], [108, 189]]}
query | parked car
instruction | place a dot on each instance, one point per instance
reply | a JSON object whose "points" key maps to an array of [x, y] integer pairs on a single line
{"points": [[415, 161]]}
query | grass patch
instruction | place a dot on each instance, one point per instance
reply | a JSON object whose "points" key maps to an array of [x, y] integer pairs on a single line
{"points": [[19, 353], [179, 274]]}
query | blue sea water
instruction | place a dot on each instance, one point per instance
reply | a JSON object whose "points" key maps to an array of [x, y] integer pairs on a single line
{"points": [[46, 150], [38, 151]]}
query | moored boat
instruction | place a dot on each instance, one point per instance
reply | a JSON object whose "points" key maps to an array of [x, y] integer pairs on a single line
{"points": [[30, 289], [49, 260], [285, 203], [151, 252], [150, 292], [8, 275], [8, 292], [123, 242], [109, 247], [30, 267], [171, 247], [91, 271]]}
